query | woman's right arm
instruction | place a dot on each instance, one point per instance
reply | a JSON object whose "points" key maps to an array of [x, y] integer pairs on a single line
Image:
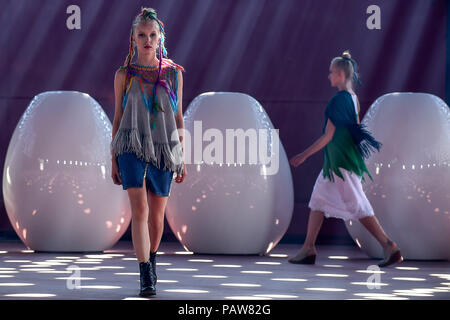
{"points": [[118, 93]]}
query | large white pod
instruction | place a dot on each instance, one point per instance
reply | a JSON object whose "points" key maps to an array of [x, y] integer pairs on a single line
{"points": [[411, 189], [238, 195], [57, 183]]}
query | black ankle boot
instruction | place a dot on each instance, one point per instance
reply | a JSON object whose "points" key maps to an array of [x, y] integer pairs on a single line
{"points": [[153, 262], [146, 280]]}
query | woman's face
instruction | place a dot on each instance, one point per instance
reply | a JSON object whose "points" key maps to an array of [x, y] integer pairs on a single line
{"points": [[336, 76], [146, 37]]}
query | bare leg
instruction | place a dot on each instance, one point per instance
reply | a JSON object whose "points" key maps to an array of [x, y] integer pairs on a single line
{"points": [[139, 229], [374, 227], [390, 250], [314, 224], [157, 207]]}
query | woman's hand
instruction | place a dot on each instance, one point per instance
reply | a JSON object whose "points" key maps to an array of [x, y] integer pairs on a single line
{"points": [[180, 179], [115, 174], [316, 146], [298, 159]]}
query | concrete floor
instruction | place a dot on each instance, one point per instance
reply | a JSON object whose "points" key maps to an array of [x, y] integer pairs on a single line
{"points": [[340, 272]]}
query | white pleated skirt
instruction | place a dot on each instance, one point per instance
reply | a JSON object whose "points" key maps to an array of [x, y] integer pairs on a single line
{"points": [[340, 199]]}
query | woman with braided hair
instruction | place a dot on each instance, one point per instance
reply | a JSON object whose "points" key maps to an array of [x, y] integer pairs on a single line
{"points": [[338, 190], [147, 148]]}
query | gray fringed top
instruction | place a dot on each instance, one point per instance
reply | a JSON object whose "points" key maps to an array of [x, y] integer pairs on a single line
{"points": [[147, 129]]}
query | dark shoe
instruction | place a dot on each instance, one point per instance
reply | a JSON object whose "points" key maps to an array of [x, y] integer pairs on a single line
{"points": [[153, 262], [152, 274], [394, 257], [146, 280], [303, 259], [392, 254]]}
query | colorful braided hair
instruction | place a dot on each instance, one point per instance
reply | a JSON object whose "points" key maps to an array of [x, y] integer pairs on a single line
{"points": [[148, 15]]}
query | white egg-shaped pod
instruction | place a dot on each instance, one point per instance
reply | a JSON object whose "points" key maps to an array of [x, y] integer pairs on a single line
{"points": [[57, 185], [238, 195], [410, 192]]}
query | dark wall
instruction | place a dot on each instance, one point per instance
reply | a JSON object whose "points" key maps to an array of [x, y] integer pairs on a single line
{"points": [[276, 51]]}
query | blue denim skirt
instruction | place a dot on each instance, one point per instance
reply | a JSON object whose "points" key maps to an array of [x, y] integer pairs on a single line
{"points": [[133, 171]]}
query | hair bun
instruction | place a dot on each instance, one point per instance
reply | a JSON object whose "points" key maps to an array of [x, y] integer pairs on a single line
{"points": [[346, 54], [145, 11]]}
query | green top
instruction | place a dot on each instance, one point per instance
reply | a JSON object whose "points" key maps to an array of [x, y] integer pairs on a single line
{"points": [[350, 142]]}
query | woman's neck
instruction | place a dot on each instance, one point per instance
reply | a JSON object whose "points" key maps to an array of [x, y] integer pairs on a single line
{"points": [[346, 87], [148, 61]]}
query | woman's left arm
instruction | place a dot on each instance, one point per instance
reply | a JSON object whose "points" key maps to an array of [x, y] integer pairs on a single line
{"points": [[179, 116], [180, 122], [316, 146]]}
